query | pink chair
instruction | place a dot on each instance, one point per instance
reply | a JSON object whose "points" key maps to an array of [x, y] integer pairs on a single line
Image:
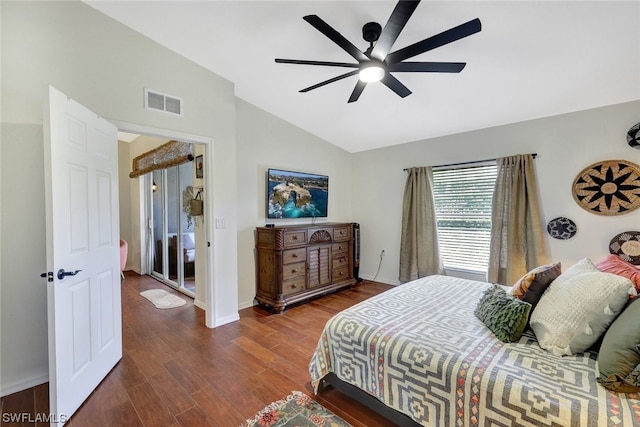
{"points": [[124, 250]]}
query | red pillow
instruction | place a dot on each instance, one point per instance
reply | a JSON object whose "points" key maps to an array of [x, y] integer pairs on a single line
{"points": [[616, 265]]}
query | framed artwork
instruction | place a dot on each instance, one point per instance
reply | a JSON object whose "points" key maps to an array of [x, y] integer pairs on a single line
{"points": [[199, 167]]}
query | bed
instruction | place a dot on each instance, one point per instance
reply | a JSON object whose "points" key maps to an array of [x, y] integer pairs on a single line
{"points": [[420, 350]]}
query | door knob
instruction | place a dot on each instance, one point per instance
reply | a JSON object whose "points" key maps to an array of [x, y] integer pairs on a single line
{"points": [[62, 274]]}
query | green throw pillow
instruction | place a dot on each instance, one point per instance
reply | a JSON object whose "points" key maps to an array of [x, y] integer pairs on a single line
{"points": [[619, 356], [503, 314]]}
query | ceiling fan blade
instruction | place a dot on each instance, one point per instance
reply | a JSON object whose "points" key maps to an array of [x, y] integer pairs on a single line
{"points": [[326, 82], [428, 67], [336, 37], [304, 62], [395, 85], [357, 91], [451, 35], [393, 27]]}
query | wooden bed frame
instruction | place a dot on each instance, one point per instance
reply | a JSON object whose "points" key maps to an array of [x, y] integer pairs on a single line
{"points": [[366, 399]]}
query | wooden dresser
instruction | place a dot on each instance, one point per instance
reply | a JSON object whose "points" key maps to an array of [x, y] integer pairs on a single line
{"points": [[298, 262]]}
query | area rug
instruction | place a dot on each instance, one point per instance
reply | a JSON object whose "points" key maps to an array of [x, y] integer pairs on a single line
{"points": [[163, 299], [298, 410]]}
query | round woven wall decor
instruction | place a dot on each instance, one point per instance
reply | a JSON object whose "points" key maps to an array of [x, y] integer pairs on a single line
{"points": [[562, 228], [633, 136], [627, 246], [610, 187]]}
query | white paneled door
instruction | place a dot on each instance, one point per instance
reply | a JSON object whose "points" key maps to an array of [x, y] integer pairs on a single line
{"points": [[83, 284]]}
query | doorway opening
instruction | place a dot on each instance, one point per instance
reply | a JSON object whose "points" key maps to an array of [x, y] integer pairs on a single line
{"points": [[183, 259]]}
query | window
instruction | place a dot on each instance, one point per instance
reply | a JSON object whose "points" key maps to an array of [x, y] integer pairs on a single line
{"points": [[463, 198]]}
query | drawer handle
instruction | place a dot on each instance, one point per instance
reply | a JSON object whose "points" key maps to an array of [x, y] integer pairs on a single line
{"points": [[293, 270], [294, 237], [340, 274], [339, 248], [294, 286], [294, 256]]}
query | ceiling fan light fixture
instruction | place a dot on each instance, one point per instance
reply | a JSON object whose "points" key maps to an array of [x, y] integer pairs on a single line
{"points": [[378, 61], [372, 71]]}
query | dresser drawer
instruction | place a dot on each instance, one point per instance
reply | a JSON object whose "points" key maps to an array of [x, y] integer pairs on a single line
{"points": [[339, 274], [295, 238], [340, 248], [294, 255], [341, 233], [340, 261], [290, 271], [291, 286]]}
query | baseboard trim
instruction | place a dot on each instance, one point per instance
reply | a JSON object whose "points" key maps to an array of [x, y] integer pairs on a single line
{"points": [[381, 280], [247, 304], [134, 269], [8, 389], [227, 319]]}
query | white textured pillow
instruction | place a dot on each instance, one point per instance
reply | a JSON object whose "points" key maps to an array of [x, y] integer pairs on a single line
{"points": [[578, 307]]}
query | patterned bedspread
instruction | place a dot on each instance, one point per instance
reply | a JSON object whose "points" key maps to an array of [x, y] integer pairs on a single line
{"points": [[420, 349]]}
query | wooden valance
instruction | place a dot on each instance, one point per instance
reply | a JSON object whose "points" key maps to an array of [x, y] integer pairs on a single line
{"points": [[172, 153]]}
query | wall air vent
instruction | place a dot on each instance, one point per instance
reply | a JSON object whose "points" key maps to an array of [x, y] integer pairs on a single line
{"points": [[162, 102]]}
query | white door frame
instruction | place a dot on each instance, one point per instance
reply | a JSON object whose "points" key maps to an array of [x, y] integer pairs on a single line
{"points": [[208, 201]]}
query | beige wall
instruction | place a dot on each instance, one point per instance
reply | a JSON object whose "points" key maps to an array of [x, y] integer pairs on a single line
{"points": [[105, 66], [124, 193], [565, 145]]}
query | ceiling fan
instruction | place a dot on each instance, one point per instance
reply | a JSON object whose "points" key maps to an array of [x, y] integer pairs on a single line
{"points": [[377, 62]]}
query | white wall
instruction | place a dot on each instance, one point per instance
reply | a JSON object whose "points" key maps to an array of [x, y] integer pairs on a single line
{"points": [[23, 294], [264, 141], [105, 66], [565, 144]]}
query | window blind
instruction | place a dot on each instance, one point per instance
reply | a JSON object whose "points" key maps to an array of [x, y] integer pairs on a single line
{"points": [[463, 198]]}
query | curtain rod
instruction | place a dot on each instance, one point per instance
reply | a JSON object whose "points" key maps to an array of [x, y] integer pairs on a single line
{"points": [[534, 155]]}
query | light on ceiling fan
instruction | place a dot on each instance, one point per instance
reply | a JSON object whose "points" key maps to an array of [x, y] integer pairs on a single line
{"points": [[370, 72]]}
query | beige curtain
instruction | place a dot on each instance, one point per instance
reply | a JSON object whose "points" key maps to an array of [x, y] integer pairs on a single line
{"points": [[419, 254], [517, 235]]}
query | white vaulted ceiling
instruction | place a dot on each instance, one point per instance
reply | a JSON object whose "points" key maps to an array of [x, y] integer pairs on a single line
{"points": [[532, 59]]}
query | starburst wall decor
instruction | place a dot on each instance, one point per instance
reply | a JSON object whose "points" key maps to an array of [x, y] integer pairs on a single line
{"points": [[610, 187]]}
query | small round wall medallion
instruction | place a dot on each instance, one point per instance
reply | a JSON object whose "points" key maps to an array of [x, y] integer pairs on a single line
{"points": [[633, 136], [627, 246], [610, 187], [562, 228]]}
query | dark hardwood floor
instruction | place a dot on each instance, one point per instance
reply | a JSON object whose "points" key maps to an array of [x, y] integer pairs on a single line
{"points": [[176, 372]]}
